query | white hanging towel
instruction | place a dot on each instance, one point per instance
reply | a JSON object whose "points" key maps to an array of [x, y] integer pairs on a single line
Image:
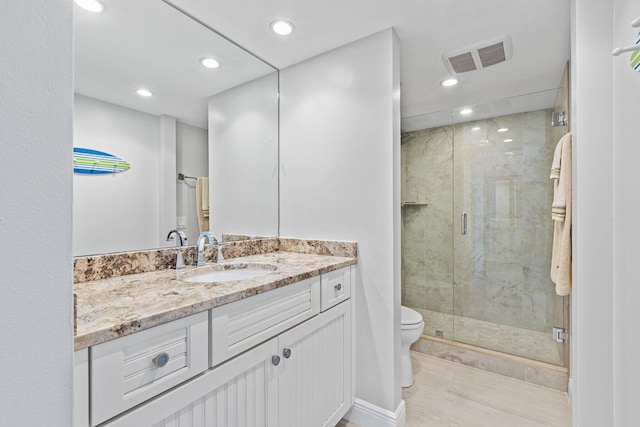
{"points": [[561, 215]]}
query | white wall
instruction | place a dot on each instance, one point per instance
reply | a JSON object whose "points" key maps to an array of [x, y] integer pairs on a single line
{"points": [[192, 159], [35, 213], [243, 159], [122, 212], [605, 300], [340, 171], [626, 205]]}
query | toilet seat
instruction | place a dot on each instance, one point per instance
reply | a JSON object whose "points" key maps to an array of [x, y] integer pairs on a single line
{"points": [[409, 318]]}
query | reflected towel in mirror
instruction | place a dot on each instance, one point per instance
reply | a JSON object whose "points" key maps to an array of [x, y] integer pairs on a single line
{"points": [[202, 202]]}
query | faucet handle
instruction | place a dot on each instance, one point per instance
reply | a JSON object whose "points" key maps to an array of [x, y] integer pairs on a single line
{"points": [[178, 263], [220, 256]]}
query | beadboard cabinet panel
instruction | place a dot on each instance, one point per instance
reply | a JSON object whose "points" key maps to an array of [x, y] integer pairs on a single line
{"points": [[315, 378], [240, 393]]}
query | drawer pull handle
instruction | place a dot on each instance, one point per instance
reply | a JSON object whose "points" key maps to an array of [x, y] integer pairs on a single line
{"points": [[275, 360], [338, 286], [286, 353], [161, 360]]}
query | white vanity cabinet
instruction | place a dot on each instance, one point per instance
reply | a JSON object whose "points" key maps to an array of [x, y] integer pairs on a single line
{"points": [[240, 325], [240, 392], [275, 360], [130, 370], [81, 388], [315, 380]]}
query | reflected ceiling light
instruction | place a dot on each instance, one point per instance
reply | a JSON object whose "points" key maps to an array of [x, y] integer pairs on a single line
{"points": [[466, 111], [503, 130], [209, 63], [144, 92], [282, 28], [95, 6], [475, 128], [508, 140], [449, 82]]}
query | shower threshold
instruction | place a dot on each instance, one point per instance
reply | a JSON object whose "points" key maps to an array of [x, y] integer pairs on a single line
{"points": [[531, 371]]}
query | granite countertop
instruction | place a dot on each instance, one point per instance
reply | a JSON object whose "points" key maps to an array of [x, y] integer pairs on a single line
{"points": [[114, 307]]}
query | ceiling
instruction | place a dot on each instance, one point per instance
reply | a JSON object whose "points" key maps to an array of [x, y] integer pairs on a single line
{"points": [[118, 51], [539, 30]]}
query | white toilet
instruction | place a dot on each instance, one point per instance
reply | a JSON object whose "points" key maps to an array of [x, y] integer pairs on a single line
{"points": [[411, 329]]}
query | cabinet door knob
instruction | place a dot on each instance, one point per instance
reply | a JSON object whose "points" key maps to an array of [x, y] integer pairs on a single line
{"points": [[338, 286], [161, 360], [275, 360], [286, 353]]}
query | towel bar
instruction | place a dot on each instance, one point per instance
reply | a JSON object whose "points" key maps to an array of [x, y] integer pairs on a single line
{"points": [[182, 177]]}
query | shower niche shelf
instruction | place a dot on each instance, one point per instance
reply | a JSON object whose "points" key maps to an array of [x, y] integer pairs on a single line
{"points": [[407, 204]]}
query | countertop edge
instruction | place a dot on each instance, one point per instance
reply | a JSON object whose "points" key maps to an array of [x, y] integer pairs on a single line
{"points": [[132, 326]]}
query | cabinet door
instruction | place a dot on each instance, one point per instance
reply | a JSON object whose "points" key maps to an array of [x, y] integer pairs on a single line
{"points": [[315, 378], [242, 392]]}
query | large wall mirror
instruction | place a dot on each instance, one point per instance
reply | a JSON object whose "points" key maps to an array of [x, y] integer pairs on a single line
{"points": [[217, 123]]}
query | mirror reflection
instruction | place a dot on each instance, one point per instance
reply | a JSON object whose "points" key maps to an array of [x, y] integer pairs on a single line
{"points": [[209, 117]]}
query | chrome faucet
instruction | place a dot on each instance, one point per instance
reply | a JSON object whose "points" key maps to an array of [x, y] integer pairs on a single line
{"points": [[178, 263], [200, 246], [180, 234]]}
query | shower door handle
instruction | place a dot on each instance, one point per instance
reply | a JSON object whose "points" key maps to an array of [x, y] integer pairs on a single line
{"points": [[463, 223]]}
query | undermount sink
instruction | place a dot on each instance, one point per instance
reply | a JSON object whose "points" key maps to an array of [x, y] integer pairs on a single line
{"points": [[226, 272]]}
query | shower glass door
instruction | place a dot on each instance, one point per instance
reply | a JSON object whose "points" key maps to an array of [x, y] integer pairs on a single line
{"points": [[503, 298]]}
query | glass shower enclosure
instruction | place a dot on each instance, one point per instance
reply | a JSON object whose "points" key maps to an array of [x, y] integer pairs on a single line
{"points": [[477, 229]]}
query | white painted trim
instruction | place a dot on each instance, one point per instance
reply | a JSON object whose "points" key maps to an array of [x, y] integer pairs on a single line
{"points": [[367, 414], [570, 390]]}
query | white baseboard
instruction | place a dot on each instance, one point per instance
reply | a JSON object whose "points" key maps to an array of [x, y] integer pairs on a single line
{"points": [[367, 414]]}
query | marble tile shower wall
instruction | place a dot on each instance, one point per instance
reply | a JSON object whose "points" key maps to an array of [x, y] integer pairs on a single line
{"points": [[427, 234], [499, 271]]}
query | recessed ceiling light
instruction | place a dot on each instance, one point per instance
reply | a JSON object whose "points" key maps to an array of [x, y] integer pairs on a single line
{"points": [[95, 6], [209, 63], [466, 111], [449, 82], [282, 28], [475, 128], [503, 130], [508, 140], [144, 92]]}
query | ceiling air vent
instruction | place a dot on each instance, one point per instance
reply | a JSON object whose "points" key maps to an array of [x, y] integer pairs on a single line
{"points": [[463, 63], [478, 56]]}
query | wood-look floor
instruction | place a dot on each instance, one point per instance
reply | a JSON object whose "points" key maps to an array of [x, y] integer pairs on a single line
{"points": [[450, 394]]}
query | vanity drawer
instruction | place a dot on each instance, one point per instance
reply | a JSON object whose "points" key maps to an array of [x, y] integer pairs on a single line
{"points": [[335, 287], [240, 325], [129, 370]]}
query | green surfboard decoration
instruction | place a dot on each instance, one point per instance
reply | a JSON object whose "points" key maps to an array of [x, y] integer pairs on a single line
{"points": [[94, 162], [635, 57]]}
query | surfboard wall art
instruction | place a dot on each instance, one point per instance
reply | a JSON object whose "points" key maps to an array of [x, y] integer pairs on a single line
{"points": [[93, 162], [635, 56]]}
